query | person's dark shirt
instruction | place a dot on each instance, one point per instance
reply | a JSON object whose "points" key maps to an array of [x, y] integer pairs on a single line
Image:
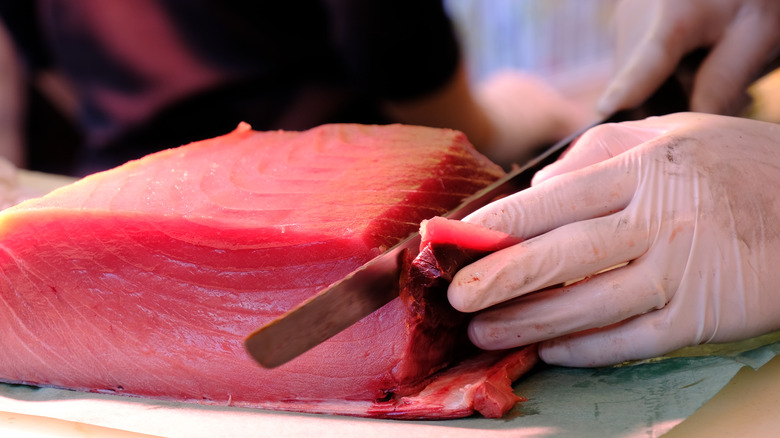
{"points": [[153, 74]]}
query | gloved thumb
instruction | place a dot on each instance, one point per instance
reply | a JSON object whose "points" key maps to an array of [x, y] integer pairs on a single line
{"points": [[599, 144], [639, 77]]}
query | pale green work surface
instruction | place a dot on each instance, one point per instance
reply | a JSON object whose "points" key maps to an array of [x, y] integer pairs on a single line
{"points": [[644, 399]]}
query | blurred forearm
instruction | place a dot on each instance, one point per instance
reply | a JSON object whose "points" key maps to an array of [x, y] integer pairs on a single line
{"points": [[453, 106], [11, 102], [507, 117]]}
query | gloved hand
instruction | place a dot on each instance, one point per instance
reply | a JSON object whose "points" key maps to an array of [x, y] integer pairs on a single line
{"points": [[653, 36], [689, 201]]}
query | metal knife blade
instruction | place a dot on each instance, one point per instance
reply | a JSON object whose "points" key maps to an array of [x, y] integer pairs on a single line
{"points": [[372, 285], [376, 283]]}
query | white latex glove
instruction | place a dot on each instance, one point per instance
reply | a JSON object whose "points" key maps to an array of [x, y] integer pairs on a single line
{"points": [[690, 201], [653, 36], [526, 112]]}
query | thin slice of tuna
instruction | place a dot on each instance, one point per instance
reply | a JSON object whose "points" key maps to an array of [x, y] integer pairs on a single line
{"points": [[482, 382], [144, 280]]}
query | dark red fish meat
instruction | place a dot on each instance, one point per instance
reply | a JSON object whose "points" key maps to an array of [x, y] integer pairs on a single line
{"points": [[143, 280]]}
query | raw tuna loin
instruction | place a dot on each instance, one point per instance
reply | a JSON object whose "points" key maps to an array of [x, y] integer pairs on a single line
{"points": [[144, 280]]}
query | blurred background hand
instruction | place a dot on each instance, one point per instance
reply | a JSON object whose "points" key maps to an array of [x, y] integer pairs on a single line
{"points": [[742, 36]]}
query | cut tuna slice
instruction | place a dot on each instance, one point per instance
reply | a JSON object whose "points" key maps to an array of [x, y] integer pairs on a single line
{"points": [[144, 280], [482, 382]]}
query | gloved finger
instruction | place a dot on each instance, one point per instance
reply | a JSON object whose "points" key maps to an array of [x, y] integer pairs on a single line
{"points": [[601, 143], [677, 324], [559, 201], [721, 83], [599, 301], [642, 337], [644, 72], [567, 253], [653, 37], [608, 140]]}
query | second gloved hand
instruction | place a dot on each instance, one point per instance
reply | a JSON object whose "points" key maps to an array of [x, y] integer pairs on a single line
{"points": [[653, 36], [689, 201]]}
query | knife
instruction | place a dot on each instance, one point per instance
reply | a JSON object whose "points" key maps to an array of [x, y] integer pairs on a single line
{"points": [[376, 283], [369, 287]]}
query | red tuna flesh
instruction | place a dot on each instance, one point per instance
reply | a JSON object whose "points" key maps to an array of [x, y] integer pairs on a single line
{"points": [[144, 280], [483, 381]]}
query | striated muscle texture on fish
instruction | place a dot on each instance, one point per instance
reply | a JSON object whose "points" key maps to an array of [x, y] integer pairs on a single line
{"points": [[143, 280]]}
